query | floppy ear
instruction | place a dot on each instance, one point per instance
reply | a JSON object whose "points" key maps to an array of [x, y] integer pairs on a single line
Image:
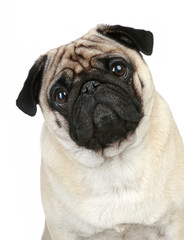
{"points": [[138, 39], [29, 96]]}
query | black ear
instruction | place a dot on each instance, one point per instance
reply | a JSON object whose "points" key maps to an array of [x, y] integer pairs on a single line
{"points": [[29, 95], [138, 39]]}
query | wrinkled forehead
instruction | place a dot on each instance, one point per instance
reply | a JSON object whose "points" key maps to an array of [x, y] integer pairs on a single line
{"points": [[78, 55]]}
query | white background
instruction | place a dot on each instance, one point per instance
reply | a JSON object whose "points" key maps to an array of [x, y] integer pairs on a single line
{"points": [[31, 27]]}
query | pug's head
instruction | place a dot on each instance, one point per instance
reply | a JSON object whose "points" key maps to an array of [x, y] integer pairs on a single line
{"points": [[94, 88]]}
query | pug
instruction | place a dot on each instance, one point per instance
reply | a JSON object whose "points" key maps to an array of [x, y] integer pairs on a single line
{"points": [[112, 157]]}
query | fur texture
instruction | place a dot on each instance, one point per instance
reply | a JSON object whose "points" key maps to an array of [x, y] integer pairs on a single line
{"points": [[130, 189]]}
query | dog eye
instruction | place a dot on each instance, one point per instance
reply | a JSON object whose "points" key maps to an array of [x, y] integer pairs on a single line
{"points": [[118, 69], [61, 96]]}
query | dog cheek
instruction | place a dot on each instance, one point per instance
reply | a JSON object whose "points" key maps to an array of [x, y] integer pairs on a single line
{"points": [[138, 85], [80, 122]]}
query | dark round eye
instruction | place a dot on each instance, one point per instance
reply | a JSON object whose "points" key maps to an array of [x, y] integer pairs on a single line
{"points": [[61, 96], [118, 69]]}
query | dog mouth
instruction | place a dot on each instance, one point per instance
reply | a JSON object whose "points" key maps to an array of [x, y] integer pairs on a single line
{"points": [[100, 119], [107, 126]]}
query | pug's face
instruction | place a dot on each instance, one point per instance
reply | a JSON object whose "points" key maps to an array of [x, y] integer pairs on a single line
{"points": [[91, 86]]}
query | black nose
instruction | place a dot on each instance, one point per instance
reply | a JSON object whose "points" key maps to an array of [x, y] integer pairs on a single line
{"points": [[90, 87]]}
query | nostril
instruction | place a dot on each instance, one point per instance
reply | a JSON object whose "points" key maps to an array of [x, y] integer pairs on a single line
{"points": [[96, 84], [84, 89], [90, 87]]}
